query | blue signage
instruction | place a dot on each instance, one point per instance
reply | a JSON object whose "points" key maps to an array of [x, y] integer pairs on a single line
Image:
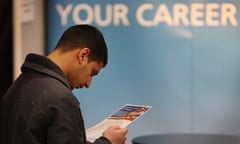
{"points": [[180, 57]]}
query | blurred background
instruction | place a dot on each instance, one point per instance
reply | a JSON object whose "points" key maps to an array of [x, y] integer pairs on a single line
{"points": [[6, 44]]}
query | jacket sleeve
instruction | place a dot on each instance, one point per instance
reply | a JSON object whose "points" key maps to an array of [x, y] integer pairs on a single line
{"points": [[102, 140], [66, 124]]}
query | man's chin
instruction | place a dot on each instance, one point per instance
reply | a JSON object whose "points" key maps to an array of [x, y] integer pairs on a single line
{"points": [[77, 87]]}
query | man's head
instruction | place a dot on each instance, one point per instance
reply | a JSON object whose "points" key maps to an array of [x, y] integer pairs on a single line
{"points": [[81, 53], [85, 36]]}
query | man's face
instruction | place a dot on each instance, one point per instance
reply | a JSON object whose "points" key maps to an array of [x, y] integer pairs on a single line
{"points": [[82, 77]]}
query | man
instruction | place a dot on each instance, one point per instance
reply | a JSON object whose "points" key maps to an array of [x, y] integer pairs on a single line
{"points": [[40, 108]]}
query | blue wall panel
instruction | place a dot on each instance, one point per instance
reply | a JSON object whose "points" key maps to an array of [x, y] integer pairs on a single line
{"points": [[181, 57]]}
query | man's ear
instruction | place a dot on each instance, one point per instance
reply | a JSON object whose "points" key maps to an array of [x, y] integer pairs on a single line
{"points": [[83, 53]]}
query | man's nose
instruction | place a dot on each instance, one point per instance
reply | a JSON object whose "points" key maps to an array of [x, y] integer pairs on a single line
{"points": [[88, 83]]}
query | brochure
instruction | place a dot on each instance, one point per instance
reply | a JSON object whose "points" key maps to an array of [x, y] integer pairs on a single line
{"points": [[122, 117]]}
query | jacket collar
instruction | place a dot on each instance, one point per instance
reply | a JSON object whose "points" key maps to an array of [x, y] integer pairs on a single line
{"points": [[44, 65]]}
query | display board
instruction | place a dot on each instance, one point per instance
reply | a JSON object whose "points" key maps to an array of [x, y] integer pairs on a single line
{"points": [[180, 57]]}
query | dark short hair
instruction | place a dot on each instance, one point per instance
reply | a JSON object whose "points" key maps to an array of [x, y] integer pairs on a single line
{"points": [[85, 36]]}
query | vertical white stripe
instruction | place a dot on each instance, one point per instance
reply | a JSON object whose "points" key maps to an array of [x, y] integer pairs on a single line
{"points": [[17, 38]]}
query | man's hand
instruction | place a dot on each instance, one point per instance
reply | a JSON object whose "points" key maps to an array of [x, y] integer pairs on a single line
{"points": [[116, 134]]}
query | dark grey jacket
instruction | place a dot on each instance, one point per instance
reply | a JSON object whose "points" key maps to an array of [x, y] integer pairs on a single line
{"points": [[40, 108]]}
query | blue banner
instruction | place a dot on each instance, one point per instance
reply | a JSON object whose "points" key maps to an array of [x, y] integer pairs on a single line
{"points": [[181, 57]]}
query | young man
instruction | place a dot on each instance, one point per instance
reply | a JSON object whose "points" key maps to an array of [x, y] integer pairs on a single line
{"points": [[40, 108]]}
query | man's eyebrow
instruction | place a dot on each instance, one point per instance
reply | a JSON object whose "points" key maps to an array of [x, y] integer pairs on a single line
{"points": [[95, 72]]}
